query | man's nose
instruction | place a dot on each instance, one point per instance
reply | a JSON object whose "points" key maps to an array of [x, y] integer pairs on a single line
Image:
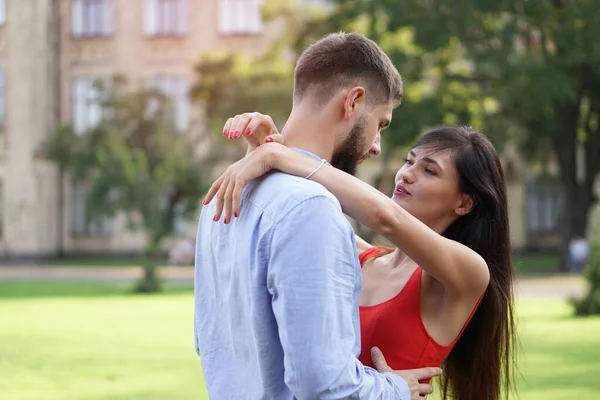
{"points": [[375, 149]]}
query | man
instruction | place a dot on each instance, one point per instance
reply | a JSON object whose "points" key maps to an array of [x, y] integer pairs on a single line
{"points": [[277, 289]]}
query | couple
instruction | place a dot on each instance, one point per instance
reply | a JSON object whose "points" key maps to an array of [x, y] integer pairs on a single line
{"points": [[283, 309]]}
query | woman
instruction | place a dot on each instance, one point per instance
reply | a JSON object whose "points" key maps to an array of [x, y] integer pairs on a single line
{"points": [[444, 295]]}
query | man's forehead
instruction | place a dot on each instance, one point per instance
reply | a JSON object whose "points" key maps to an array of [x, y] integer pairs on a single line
{"points": [[384, 111]]}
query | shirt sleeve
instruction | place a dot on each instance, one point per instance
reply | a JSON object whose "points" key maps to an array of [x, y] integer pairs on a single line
{"points": [[313, 279]]}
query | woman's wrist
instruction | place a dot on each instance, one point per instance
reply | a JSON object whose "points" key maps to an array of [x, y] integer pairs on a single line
{"points": [[273, 154], [284, 159]]}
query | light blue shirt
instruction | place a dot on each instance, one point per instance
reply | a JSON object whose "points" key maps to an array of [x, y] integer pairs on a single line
{"points": [[276, 299]]}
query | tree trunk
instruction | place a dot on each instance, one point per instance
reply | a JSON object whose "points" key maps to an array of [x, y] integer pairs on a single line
{"points": [[579, 193], [565, 145], [575, 218], [150, 282]]}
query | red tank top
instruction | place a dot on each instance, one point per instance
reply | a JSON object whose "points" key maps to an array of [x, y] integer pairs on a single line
{"points": [[396, 327]]}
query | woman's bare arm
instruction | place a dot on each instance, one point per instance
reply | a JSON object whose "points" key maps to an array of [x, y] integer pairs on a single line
{"points": [[461, 270]]}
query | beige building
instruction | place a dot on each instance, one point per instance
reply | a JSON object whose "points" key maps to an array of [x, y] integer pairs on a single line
{"points": [[50, 53]]}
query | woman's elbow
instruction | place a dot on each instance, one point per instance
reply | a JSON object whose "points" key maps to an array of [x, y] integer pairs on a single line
{"points": [[385, 222]]}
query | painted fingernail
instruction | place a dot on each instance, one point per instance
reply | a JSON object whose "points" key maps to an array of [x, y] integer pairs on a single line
{"points": [[248, 130], [225, 132], [235, 214], [269, 140], [225, 221], [204, 202], [215, 218], [236, 134]]}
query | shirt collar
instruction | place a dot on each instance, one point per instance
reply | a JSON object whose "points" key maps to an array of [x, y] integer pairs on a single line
{"points": [[309, 154]]}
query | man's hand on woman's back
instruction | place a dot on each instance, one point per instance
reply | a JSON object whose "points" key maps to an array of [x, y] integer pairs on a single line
{"points": [[411, 376]]}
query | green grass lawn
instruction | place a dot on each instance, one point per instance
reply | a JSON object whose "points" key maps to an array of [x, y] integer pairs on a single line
{"points": [[93, 347], [74, 341], [32, 289], [103, 261], [560, 354], [535, 263]]}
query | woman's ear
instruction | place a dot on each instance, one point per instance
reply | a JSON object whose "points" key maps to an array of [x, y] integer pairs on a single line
{"points": [[466, 205]]}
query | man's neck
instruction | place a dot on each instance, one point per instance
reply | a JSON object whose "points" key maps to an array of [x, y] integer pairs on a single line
{"points": [[311, 132]]}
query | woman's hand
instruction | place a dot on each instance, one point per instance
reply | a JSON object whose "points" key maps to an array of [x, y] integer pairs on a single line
{"points": [[228, 187], [257, 129]]}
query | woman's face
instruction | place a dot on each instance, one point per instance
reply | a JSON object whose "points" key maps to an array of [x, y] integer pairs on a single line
{"points": [[427, 187]]}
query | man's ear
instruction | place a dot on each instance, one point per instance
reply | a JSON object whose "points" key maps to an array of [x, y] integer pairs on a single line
{"points": [[466, 205], [354, 101]]}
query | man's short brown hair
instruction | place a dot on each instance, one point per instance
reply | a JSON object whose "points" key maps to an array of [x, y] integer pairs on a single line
{"points": [[344, 60]]}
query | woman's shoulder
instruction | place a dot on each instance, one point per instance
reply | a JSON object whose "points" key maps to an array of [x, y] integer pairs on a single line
{"points": [[361, 244], [365, 255]]}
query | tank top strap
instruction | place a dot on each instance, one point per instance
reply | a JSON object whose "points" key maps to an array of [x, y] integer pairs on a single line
{"points": [[411, 293], [369, 253]]}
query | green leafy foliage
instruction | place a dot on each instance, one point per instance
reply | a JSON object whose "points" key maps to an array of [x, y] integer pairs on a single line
{"points": [[527, 71]]}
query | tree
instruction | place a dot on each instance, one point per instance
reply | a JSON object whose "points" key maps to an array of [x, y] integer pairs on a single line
{"points": [[135, 162], [429, 100], [589, 304], [539, 59], [231, 84]]}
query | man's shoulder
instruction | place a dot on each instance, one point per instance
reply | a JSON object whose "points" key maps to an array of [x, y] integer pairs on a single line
{"points": [[279, 192]]}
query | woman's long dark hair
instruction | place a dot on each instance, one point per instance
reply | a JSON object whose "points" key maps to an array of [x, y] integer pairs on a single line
{"points": [[482, 363]]}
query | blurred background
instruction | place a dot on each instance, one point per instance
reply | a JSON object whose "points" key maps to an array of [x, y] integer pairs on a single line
{"points": [[111, 114]]}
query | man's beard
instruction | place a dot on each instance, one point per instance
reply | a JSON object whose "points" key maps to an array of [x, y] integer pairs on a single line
{"points": [[347, 156]]}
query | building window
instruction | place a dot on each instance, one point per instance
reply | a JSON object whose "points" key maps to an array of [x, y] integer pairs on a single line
{"points": [[239, 17], [544, 206], [2, 100], [2, 12], [92, 18], [177, 90], [80, 223], [165, 17], [87, 106]]}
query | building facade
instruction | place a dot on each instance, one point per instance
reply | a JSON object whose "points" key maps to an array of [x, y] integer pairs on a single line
{"points": [[51, 51]]}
